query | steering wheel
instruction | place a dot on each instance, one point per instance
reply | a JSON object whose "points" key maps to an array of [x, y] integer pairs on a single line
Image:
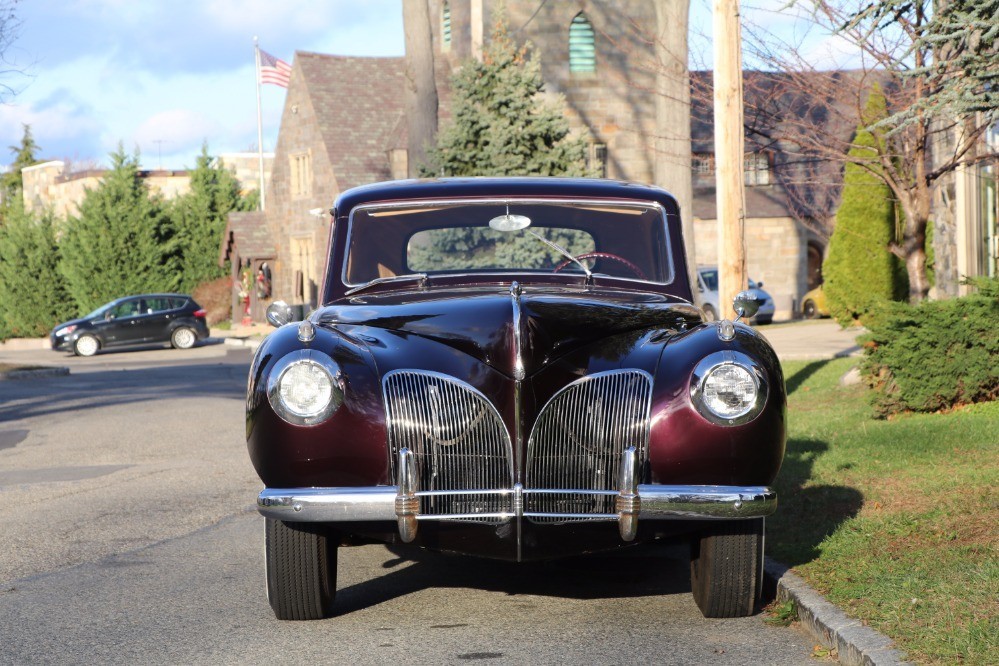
{"points": [[605, 255]]}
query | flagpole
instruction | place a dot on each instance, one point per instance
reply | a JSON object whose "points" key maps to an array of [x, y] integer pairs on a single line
{"points": [[260, 126]]}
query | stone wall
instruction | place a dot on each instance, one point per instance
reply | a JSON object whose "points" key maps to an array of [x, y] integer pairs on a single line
{"points": [[776, 255]]}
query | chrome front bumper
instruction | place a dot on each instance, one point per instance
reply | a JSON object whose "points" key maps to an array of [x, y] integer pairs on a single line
{"points": [[651, 502], [633, 502]]}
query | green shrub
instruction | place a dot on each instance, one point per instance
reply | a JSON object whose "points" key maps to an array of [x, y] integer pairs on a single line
{"points": [[934, 355]]}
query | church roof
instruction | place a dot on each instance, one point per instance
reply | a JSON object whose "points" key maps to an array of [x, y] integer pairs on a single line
{"points": [[358, 102]]}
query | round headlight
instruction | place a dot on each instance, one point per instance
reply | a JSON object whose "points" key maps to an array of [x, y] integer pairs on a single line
{"points": [[728, 388], [305, 388]]}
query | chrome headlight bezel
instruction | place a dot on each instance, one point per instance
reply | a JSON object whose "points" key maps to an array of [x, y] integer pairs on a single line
{"points": [[314, 360], [711, 364]]}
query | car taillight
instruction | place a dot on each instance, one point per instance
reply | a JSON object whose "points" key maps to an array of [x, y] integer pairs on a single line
{"points": [[200, 313]]}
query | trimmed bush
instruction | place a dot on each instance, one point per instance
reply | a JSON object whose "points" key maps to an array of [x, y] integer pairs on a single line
{"points": [[860, 271], [935, 355]]}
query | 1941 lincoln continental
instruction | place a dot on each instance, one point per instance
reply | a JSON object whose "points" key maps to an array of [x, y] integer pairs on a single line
{"points": [[513, 369]]}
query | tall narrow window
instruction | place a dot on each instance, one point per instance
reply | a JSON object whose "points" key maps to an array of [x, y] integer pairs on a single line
{"points": [[446, 25], [598, 159], [582, 52], [300, 166]]}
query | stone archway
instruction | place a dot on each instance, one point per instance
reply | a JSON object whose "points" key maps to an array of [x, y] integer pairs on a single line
{"points": [[815, 252]]}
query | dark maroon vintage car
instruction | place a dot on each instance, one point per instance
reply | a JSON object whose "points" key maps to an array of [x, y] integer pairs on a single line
{"points": [[512, 368]]}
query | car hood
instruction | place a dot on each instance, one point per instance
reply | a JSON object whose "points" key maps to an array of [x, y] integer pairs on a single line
{"points": [[71, 322], [492, 324]]}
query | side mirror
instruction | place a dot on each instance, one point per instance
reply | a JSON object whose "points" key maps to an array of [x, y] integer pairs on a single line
{"points": [[745, 304], [279, 313], [108, 316]]}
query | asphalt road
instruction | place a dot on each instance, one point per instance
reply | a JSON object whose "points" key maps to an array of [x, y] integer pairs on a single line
{"points": [[128, 535]]}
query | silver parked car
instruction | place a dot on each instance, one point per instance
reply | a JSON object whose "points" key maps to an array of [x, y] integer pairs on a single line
{"points": [[707, 282]]}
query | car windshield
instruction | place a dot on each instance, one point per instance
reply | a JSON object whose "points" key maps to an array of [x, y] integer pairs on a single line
{"points": [[100, 312], [623, 240]]}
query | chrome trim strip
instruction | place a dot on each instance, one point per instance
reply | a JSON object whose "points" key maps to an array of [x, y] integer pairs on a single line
{"points": [[518, 351], [658, 502]]}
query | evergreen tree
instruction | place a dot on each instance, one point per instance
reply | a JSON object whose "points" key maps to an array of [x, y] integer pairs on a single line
{"points": [[199, 219], [122, 243], [11, 183], [502, 126], [859, 270], [32, 290]]}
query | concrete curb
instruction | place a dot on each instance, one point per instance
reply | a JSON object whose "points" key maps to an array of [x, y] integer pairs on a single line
{"points": [[33, 373], [250, 343], [856, 644]]}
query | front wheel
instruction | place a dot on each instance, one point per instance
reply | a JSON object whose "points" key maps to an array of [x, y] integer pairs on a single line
{"points": [[726, 568], [811, 312], [86, 345], [183, 338], [300, 559]]}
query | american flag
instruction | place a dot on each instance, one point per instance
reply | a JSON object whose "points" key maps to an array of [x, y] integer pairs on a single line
{"points": [[274, 70]]}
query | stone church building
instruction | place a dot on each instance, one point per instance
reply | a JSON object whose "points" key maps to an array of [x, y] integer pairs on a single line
{"points": [[343, 126]]}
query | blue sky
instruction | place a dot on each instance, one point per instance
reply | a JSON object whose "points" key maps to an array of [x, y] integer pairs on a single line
{"points": [[163, 77]]}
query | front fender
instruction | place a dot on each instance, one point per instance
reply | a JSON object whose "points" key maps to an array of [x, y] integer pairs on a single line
{"points": [[348, 449], [684, 446]]}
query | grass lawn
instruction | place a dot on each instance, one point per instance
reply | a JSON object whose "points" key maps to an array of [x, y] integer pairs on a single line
{"points": [[896, 521]]}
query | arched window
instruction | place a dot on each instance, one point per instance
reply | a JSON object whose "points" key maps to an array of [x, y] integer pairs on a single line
{"points": [[446, 25], [582, 52]]}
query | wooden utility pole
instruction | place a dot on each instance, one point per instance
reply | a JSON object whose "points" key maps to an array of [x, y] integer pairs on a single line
{"points": [[729, 141]]}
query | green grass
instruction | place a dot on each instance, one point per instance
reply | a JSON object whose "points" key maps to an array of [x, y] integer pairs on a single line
{"points": [[895, 521]]}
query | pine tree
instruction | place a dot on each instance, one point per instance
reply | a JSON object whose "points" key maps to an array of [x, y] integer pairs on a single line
{"points": [[11, 183], [502, 126], [859, 270], [199, 218], [32, 290], [122, 243]]}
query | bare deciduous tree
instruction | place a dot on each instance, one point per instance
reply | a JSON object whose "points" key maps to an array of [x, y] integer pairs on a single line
{"points": [[810, 113]]}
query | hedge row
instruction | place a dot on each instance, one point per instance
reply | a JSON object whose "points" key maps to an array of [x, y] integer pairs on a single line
{"points": [[935, 355]]}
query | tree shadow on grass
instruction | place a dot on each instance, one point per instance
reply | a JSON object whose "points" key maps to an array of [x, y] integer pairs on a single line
{"points": [[806, 513], [794, 382]]}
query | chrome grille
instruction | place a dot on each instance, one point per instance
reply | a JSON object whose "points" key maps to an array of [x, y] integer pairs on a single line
{"points": [[574, 452], [464, 457]]}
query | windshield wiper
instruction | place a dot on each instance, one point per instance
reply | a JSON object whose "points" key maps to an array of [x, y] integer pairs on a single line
{"points": [[565, 253], [422, 277]]}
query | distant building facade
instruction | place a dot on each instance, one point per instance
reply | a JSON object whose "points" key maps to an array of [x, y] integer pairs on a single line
{"points": [[50, 186], [343, 126]]}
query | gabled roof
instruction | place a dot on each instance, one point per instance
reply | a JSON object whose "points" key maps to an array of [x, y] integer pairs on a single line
{"points": [[247, 232], [358, 102]]}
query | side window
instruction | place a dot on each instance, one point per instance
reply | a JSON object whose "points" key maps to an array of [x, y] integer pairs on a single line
{"points": [[158, 305], [126, 309]]}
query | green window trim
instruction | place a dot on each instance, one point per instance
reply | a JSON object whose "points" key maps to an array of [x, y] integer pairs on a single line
{"points": [[582, 46]]}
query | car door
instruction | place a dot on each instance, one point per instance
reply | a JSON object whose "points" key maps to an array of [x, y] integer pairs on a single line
{"points": [[156, 315], [121, 324]]}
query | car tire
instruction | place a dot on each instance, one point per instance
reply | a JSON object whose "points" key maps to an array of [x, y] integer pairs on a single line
{"points": [[726, 568], [709, 313], [301, 570], [183, 338], [809, 309], [86, 345]]}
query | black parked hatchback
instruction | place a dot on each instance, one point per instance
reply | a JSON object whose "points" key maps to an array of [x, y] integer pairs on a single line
{"points": [[134, 320]]}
